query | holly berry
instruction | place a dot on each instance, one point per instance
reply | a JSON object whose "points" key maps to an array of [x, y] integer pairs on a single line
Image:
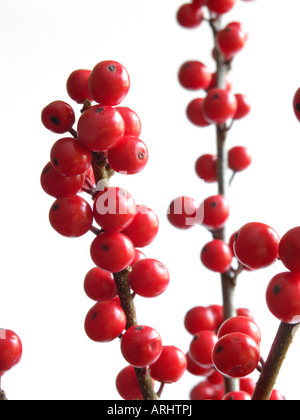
{"points": [[202, 346], [195, 114], [217, 256], [296, 104], [99, 285], [241, 324], [243, 106], [206, 168], [141, 346], [289, 249], [58, 117], [183, 212], [105, 321], [231, 40], [199, 318], [190, 15], [144, 228], [239, 158], [256, 245], [129, 157], [112, 251], [114, 209], [219, 106], [59, 186], [220, 6], [149, 278], [237, 396], [71, 216], [194, 75], [206, 391], [133, 126], [170, 366], [77, 85], [215, 210], [139, 255], [195, 369], [283, 297], [236, 355], [10, 350], [109, 83], [127, 384], [100, 128]]}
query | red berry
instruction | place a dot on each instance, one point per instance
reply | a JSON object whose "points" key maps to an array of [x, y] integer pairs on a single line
{"points": [[114, 209], [99, 285], [183, 212], [206, 391], [105, 321], [59, 186], [256, 245], [112, 251], [237, 396], [194, 75], [195, 369], [219, 106], [245, 312], [10, 350], [139, 255], [215, 212], [144, 228], [71, 216], [69, 157], [77, 85], [141, 346], [133, 126], [218, 313], [109, 83], [239, 158], [190, 15], [289, 249], [243, 106], [283, 297], [247, 385], [100, 128], [195, 114], [127, 384], [199, 318], [220, 6], [277, 396], [206, 168], [241, 324], [58, 117], [129, 157], [236, 355], [231, 40], [170, 366], [202, 346], [149, 278], [213, 83], [296, 104], [217, 256]]}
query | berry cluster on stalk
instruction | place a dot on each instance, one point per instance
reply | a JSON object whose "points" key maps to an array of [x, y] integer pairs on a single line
{"points": [[106, 141]]}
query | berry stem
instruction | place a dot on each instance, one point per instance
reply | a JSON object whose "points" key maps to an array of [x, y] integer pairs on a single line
{"points": [[274, 362]]}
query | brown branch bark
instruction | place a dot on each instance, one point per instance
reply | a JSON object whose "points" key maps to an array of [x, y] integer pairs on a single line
{"points": [[2, 396]]}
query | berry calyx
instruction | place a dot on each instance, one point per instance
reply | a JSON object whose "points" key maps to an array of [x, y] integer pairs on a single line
{"points": [[217, 256], [219, 106], [10, 350], [58, 117], [170, 366]]}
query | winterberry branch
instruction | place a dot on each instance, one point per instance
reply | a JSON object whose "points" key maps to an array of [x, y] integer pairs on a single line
{"points": [[2, 396]]}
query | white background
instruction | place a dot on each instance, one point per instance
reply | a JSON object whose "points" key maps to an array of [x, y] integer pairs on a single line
{"points": [[41, 273]]}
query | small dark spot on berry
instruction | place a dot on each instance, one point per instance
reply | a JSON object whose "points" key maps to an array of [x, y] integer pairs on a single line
{"points": [[141, 156], [231, 398], [236, 236], [112, 67], [298, 107], [205, 249], [227, 29], [139, 328], [99, 110], [216, 96], [219, 349], [276, 289], [55, 161], [55, 120], [55, 207], [95, 314], [105, 247], [46, 170], [213, 204]]}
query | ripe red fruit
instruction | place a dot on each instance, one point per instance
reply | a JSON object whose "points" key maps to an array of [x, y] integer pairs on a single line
{"points": [[256, 245], [144, 228], [283, 297], [149, 278], [220, 6], [243, 106], [129, 157], [195, 114], [195, 369], [139, 255], [112, 251], [241, 324], [105, 321], [236, 355], [296, 104], [194, 75], [100, 128], [190, 15], [289, 249], [215, 210], [206, 391], [77, 85], [99, 285], [219, 106], [109, 83], [59, 186], [114, 209], [141, 346], [127, 384], [133, 126], [199, 318], [239, 158], [202, 346], [213, 83], [206, 168], [217, 256], [10, 350], [71, 216], [170, 366], [183, 212], [237, 396], [231, 40], [58, 117]]}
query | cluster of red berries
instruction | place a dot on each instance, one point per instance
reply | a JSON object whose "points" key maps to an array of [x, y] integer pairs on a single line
{"points": [[11, 350]]}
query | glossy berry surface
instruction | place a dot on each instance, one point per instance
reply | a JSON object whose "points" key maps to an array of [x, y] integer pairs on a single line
{"points": [[144, 228], [199, 318], [71, 216], [100, 128], [77, 85], [283, 297], [202, 346], [217, 256], [130, 156], [236, 355], [239, 158], [183, 212], [289, 249], [141, 346], [170, 366], [133, 126], [195, 369], [195, 113], [215, 212], [112, 251], [109, 83], [127, 384], [99, 285], [194, 75], [206, 168], [241, 324], [231, 40], [296, 104], [10, 350], [243, 106], [220, 6], [206, 391], [190, 15], [114, 209], [59, 186], [256, 245], [105, 321], [237, 396], [219, 106], [58, 117]]}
